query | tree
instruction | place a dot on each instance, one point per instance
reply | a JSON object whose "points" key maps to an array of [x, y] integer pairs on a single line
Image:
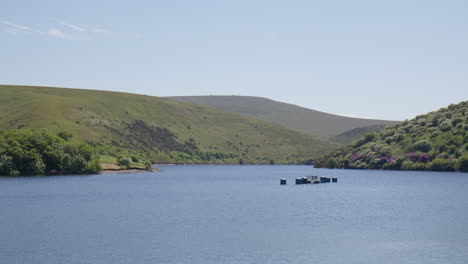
{"points": [[462, 163], [440, 164], [423, 146], [6, 165], [78, 164], [31, 163], [332, 163]]}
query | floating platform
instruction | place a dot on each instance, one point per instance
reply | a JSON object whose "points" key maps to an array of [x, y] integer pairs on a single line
{"points": [[312, 179]]}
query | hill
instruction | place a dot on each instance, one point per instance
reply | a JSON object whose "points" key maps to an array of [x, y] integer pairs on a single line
{"points": [[293, 116], [434, 141], [356, 133], [170, 131]]}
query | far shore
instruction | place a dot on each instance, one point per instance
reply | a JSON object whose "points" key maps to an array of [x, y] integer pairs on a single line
{"points": [[128, 171]]}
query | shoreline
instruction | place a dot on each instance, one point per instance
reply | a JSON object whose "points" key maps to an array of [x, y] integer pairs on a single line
{"points": [[127, 171]]}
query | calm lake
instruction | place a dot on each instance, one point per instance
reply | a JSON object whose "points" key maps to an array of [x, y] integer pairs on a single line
{"points": [[235, 214]]}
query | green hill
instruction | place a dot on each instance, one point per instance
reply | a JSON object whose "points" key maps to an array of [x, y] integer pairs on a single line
{"points": [[171, 131], [434, 141], [293, 116], [356, 133]]}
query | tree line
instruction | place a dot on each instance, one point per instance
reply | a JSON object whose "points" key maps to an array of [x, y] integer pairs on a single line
{"points": [[32, 152]]}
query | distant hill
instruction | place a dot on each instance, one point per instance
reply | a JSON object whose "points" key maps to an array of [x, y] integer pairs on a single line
{"points": [[173, 131], [293, 116], [356, 133], [434, 141]]}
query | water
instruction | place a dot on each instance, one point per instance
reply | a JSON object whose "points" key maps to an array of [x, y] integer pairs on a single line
{"points": [[235, 214]]}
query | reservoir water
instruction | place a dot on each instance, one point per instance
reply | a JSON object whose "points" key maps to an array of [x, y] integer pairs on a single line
{"points": [[235, 214]]}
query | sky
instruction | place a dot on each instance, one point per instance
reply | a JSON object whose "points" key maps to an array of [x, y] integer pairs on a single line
{"points": [[374, 59]]}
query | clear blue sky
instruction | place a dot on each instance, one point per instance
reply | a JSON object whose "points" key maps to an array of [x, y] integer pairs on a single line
{"points": [[380, 59]]}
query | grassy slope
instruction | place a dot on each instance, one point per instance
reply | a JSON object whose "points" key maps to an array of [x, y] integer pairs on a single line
{"points": [[411, 144], [356, 133], [293, 116], [101, 116]]}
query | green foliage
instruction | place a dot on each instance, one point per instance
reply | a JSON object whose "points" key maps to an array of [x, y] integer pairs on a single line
{"points": [[124, 161], [28, 152], [462, 163], [435, 141], [332, 163], [440, 164], [65, 135], [148, 165], [156, 126], [6, 165], [134, 158], [423, 146]]}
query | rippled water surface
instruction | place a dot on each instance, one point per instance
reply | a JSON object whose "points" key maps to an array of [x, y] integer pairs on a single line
{"points": [[235, 214]]}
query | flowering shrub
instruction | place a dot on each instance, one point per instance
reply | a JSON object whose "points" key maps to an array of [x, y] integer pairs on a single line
{"points": [[393, 159], [384, 159], [441, 156], [424, 158], [413, 156], [358, 156]]}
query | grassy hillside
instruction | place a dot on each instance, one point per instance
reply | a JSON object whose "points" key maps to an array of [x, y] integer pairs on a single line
{"points": [[435, 141], [293, 116], [171, 130], [356, 133]]}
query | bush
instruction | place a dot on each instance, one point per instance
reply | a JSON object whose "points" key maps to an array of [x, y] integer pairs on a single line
{"points": [[332, 162], [148, 165], [65, 135], [134, 158], [6, 165], [124, 161], [441, 164], [78, 165], [462, 163], [456, 121], [423, 146], [407, 165], [445, 126]]}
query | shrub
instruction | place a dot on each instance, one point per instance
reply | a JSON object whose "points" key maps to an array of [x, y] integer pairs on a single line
{"points": [[441, 164], [6, 165], [445, 126], [65, 135], [456, 121], [93, 166], [134, 158], [124, 161], [407, 165], [78, 165], [424, 158], [332, 163], [423, 146], [413, 156], [462, 163], [148, 165]]}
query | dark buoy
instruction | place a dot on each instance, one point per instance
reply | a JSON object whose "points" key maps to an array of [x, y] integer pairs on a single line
{"points": [[283, 181], [334, 179]]}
